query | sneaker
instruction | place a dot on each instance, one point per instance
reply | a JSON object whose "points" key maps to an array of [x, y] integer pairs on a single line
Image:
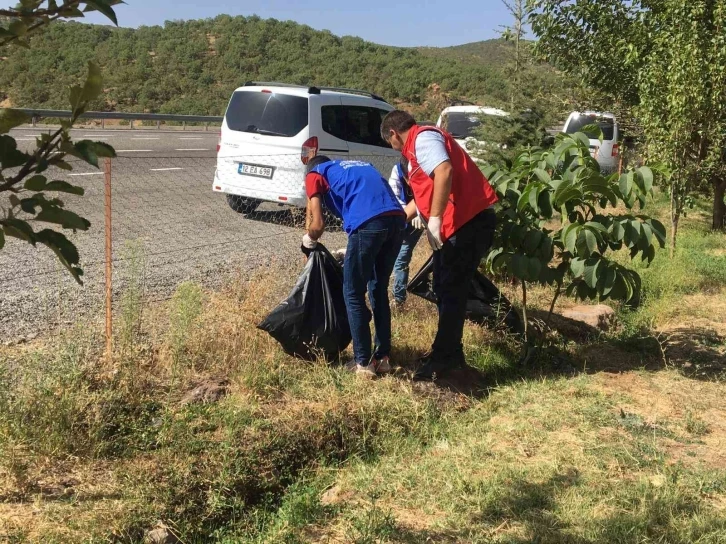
{"points": [[382, 365], [367, 371]]}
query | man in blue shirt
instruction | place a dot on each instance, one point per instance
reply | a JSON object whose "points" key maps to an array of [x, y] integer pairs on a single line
{"points": [[374, 221], [412, 233]]}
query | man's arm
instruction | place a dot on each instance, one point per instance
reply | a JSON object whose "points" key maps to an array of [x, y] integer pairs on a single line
{"points": [[411, 211], [316, 221], [442, 176]]}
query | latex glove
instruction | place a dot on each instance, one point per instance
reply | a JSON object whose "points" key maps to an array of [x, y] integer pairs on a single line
{"points": [[417, 223], [433, 233], [308, 244]]}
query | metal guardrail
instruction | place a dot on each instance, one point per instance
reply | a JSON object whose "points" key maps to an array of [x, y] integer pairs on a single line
{"points": [[36, 114]]}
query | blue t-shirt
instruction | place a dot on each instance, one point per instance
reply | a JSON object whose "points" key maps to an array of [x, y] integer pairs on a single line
{"points": [[358, 192]]}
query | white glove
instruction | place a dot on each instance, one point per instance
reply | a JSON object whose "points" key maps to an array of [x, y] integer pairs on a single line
{"points": [[309, 243], [417, 223], [433, 233]]}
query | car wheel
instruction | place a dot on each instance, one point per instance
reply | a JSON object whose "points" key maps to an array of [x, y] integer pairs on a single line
{"points": [[241, 204]]}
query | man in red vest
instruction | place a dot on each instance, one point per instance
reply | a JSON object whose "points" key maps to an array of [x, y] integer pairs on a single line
{"points": [[457, 203]]}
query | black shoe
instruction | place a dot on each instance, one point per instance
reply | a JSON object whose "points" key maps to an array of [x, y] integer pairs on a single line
{"points": [[430, 369]]}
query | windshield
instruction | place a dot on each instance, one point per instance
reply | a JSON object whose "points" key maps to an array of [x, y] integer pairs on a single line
{"points": [[461, 124], [271, 114], [606, 124]]}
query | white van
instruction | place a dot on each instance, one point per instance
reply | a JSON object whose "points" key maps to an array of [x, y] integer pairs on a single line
{"points": [[462, 123], [607, 152], [269, 128]]}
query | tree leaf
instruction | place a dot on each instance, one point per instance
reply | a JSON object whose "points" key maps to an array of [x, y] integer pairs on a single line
{"points": [[590, 274], [64, 249], [626, 185], [596, 226], [534, 269], [524, 198], [586, 243], [519, 267], [577, 267], [532, 241], [571, 233], [545, 204], [607, 281], [533, 198], [87, 151], [542, 175], [647, 233], [659, 230], [646, 175], [104, 6], [91, 89], [10, 118], [90, 151]]}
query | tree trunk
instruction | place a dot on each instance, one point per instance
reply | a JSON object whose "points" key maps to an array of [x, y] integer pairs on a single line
{"points": [[719, 206], [675, 217]]}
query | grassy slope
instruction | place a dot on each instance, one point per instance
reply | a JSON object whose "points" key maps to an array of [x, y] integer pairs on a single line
{"points": [[191, 67], [598, 441]]}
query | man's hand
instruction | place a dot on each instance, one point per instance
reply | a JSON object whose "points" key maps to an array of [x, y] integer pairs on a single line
{"points": [[433, 233], [417, 223], [308, 245]]}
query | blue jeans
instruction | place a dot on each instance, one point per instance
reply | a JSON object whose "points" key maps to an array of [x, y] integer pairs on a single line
{"points": [[369, 260], [411, 237]]}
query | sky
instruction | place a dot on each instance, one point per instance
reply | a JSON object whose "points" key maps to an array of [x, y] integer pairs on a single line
{"points": [[434, 23]]}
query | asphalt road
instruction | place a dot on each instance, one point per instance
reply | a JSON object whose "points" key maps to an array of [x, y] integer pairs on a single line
{"points": [[168, 226], [138, 143]]}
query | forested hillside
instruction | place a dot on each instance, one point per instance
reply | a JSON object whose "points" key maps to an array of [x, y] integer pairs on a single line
{"points": [[192, 66]]}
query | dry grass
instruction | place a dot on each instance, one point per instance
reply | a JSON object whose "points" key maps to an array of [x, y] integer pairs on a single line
{"points": [[610, 438]]}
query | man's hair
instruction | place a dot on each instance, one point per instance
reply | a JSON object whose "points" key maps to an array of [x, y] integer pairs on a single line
{"points": [[397, 120], [317, 160]]}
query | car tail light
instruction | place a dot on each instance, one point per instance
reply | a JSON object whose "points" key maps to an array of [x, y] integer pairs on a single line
{"points": [[219, 142], [616, 150], [309, 147]]}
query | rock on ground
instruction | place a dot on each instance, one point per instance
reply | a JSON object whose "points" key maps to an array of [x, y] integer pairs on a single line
{"points": [[599, 316]]}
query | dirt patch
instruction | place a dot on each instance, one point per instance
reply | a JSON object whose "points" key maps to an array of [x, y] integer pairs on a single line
{"points": [[670, 402]]}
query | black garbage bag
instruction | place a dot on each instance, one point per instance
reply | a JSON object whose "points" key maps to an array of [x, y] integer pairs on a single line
{"points": [[486, 305], [313, 321]]}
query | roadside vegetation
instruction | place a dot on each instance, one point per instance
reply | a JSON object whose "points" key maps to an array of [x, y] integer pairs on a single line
{"points": [[192, 67], [200, 427]]}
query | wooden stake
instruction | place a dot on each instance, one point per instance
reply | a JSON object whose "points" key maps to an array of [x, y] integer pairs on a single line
{"points": [[109, 258]]}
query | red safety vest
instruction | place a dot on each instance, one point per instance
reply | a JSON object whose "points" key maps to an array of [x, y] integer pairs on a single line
{"points": [[470, 189]]}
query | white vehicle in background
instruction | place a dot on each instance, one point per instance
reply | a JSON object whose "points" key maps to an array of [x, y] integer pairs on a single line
{"points": [[462, 122], [607, 152], [269, 129]]}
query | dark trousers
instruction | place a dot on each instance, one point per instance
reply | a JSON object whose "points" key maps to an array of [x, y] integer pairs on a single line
{"points": [[454, 268], [369, 259], [411, 237]]}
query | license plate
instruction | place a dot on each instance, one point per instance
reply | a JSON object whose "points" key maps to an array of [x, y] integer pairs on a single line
{"points": [[255, 170]]}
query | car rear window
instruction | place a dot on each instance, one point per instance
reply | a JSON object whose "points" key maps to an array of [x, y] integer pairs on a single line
{"points": [[357, 124], [271, 114], [606, 124], [461, 124]]}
